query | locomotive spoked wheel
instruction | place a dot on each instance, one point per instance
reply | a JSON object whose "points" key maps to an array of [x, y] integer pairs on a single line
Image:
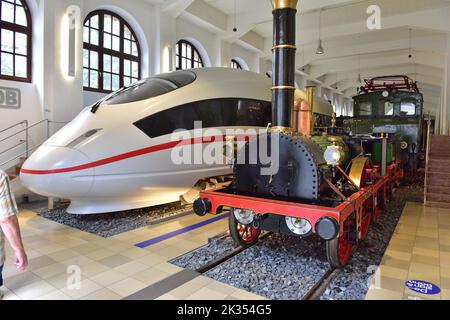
{"points": [[366, 216], [339, 250], [377, 208], [243, 235]]}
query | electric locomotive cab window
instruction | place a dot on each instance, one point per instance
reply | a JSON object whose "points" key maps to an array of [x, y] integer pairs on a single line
{"points": [[227, 112], [365, 108], [152, 87], [407, 109], [388, 108]]}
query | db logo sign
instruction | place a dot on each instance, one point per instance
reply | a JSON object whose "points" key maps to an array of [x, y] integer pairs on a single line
{"points": [[9, 98]]}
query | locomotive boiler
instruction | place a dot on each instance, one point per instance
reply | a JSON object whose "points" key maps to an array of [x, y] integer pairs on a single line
{"points": [[287, 180]]}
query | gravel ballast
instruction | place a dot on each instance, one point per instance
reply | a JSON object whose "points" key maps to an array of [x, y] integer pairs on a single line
{"points": [[111, 224]]}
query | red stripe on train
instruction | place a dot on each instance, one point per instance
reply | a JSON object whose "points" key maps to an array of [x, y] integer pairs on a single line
{"points": [[128, 155]]}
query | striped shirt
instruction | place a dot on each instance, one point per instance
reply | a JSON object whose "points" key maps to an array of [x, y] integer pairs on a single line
{"points": [[8, 208]]}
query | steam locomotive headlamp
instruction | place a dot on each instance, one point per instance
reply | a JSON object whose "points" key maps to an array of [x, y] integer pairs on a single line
{"points": [[298, 226], [244, 216], [333, 155]]}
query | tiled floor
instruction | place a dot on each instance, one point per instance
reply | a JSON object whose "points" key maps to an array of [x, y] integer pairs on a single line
{"points": [[66, 263], [419, 250]]}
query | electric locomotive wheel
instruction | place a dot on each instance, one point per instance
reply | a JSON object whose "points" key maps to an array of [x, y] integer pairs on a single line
{"points": [[242, 234], [339, 250]]}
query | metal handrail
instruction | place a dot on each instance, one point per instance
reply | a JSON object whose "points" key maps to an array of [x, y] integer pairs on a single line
{"points": [[14, 125], [27, 138], [13, 147]]}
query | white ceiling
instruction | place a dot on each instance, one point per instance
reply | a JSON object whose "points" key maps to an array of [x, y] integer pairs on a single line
{"points": [[351, 48]]}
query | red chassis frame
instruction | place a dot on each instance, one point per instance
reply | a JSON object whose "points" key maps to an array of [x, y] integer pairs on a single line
{"points": [[312, 213]]}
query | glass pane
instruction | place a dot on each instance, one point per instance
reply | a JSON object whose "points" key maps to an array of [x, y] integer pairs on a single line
{"points": [[94, 60], [116, 43], [127, 67], [93, 79], [86, 34], [127, 33], [21, 43], [115, 82], [177, 50], [21, 67], [107, 81], [85, 58], [127, 46], [107, 41], [189, 54], [7, 12], [126, 81], [196, 57], [94, 37], [7, 64], [134, 49], [7, 40], [21, 17], [183, 63], [365, 108], [107, 23], [107, 63], [407, 109], [115, 65], [184, 49], [85, 78], [135, 71], [94, 22], [116, 26]]}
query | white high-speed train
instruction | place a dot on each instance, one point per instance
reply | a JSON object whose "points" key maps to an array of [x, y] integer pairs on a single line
{"points": [[116, 154]]}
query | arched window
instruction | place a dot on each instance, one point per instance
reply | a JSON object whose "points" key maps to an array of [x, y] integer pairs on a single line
{"points": [[188, 56], [111, 52], [15, 38], [235, 64]]}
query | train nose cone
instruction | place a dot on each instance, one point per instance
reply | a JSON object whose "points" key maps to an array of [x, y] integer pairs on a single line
{"points": [[58, 172]]}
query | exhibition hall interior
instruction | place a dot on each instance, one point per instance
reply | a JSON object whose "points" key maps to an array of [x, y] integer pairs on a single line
{"points": [[242, 151]]}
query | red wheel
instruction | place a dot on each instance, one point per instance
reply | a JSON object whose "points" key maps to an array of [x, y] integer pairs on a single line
{"points": [[243, 235], [339, 250], [377, 205], [366, 217]]}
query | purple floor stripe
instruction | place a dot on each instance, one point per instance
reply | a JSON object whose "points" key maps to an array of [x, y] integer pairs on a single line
{"points": [[175, 233]]}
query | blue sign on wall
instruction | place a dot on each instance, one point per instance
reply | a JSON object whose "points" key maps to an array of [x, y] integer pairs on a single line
{"points": [[422, 287]]}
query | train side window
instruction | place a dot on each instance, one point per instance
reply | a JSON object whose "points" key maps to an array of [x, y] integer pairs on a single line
{"points": [[213, 113], [407, 109], [365, 108], [388, 108]]}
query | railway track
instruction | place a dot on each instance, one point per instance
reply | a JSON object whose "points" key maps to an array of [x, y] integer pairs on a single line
{"points": [[314, 293], [213, 264]]}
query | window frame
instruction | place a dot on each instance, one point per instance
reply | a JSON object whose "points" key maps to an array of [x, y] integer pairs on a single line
{"points": [[28, 31], [101, 50], [236, 65], [180, 57]]}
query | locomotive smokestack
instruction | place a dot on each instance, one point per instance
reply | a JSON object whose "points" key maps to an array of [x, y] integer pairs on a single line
{"points": [[283, 70]]}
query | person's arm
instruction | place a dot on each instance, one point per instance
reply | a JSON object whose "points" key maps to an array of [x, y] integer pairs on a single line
{"points": [[11, 229]]}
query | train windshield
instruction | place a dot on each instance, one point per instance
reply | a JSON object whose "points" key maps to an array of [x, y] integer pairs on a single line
{"points": [[151, 87]]}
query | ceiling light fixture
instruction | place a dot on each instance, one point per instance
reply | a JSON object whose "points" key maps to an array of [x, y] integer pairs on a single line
{"points": [[320, 49], [410, 44], [235, 29]]}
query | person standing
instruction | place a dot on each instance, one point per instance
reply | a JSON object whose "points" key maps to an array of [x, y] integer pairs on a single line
{"points": [[9, 227]]}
